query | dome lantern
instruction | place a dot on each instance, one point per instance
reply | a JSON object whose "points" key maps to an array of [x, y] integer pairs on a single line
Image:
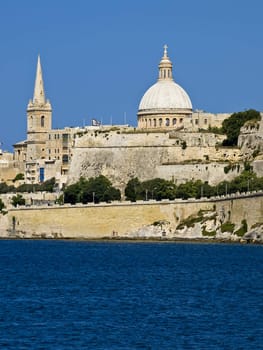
{"points": [[165, 67]]}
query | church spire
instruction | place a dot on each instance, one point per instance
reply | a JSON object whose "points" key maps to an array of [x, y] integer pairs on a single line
{"points": [[165, 66], [39, 93]]}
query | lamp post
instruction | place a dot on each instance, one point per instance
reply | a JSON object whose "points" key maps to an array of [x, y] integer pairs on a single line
{"points": [[146, 195], [93, 197]]}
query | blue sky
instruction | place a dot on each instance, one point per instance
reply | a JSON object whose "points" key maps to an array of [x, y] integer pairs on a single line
{"points": [[99, 57]]}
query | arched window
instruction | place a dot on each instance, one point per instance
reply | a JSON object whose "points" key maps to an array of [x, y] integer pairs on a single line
{"points": [[174, 121], [42, 121], [150, 122], [154, 122], [160, 122], [181, 120], [167, 122]]}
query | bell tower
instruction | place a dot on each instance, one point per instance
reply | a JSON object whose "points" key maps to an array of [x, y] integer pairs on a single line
{"points": [[39, 119]]}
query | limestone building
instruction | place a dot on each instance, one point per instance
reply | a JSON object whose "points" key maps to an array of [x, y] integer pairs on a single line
{"points": [[46, 152]]}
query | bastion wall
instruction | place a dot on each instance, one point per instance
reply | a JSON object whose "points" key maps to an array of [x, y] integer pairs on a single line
{"points": [[179, 156], [107, 220]]}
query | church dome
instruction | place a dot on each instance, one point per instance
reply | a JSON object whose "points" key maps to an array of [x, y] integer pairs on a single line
{"points": [[165, 95]]}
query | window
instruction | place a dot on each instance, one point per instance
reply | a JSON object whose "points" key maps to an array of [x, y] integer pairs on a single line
{"points": [[205, 121], [174, 121], [160, 122], [42, 121], [154, 122], [196, 121], [167, 122], [65, 158], [181, 120]]}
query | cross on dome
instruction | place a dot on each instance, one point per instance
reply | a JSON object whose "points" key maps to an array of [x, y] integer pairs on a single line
{"points": [[165, 50]]}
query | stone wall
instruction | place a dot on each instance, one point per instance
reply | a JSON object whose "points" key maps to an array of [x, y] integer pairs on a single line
{"points": [[107, 220], [121, 155]]}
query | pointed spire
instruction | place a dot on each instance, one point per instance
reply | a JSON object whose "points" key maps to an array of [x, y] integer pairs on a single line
{"points": [[39, 93], [165, 66]]}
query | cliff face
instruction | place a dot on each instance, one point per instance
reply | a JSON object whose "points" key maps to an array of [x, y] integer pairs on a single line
{"points": [[123, 154]]}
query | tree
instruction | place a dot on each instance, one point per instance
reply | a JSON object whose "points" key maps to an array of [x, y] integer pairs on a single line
{"points": [[19, 176], [159, 189], [47, 185], [98, 189], [26, 188], [71, 193], [133, 190], [2, 205], [18, 200], [4, 188], [232, 125]]}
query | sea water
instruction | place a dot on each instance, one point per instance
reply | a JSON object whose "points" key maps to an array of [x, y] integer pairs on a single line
{"points": [[86, 295]]}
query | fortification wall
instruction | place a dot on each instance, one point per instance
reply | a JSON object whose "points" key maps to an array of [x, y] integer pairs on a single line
{"points": [[121, 156], [104, 220]]}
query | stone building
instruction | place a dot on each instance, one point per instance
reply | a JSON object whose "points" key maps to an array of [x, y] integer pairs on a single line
{"points": [[46, 152]]}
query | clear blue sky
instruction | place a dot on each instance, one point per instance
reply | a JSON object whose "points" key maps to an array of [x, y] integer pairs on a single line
{"points": [[99, 57]]}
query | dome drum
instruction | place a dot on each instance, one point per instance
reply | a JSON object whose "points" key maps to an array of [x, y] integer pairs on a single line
{"points": [[161, 121]]}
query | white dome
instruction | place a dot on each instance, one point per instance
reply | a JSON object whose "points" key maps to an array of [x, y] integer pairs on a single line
{"points": [[165, 94]]}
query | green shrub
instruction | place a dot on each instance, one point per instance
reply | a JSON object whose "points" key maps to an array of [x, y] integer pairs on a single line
{"points": [[18, 200], [227, 227], [19, 176], [242, 230]]}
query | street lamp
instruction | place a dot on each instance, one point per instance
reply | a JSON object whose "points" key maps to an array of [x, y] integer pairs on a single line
{"points": [[93, 197], [153, 191]]}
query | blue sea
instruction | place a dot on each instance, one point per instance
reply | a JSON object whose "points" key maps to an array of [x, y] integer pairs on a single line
{"points": [[110, 295]]}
